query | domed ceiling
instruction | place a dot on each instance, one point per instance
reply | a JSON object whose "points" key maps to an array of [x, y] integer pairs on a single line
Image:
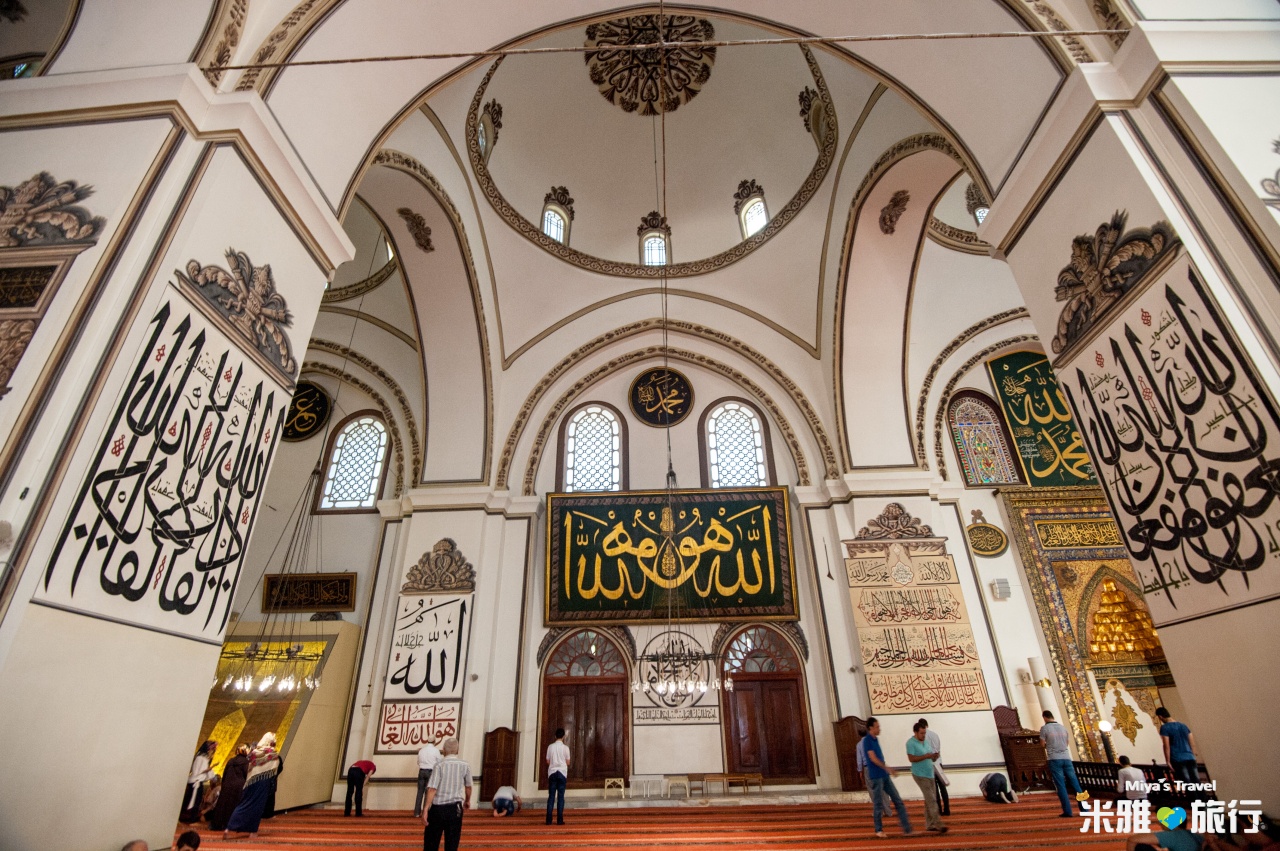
{"points": [[593, 123]]}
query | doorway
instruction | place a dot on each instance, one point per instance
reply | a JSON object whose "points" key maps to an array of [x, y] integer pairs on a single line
{"points": [[585, 690], [766, 724]]}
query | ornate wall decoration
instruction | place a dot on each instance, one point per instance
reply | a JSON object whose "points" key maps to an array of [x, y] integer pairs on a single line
{"points": [[957, 239], [444, 570], [359, 288], [418, 229], [1181, 425], [559, 196], [430, 643], [493, 110], [621, 634], [309, 412], [893, 522], [1109, 19], [675, 654], [1271, 185], [1126, 720], [592, 346], [893, 211], [985, 539], [1053, 23], [282, 42], [43, 211], [649, 82], [1103, 268], [309, 592], [405, 726], [229, 24], [1045, 435], [15, 334], [631, 538], [533, 231], [980, 441], [246, 297], [653, 221], [719, 642], [661, 397], [747, 190], [808, 97], [974, 198], [397, 442]]}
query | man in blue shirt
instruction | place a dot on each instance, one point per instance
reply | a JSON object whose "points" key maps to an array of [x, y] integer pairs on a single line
{"points": [[1057, 746], [880, 776], [1179, 747]]}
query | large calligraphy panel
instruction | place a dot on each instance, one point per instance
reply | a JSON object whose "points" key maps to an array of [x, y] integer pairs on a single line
{"points": [[917, 646], [708, 555], [1046, 438], [1189, 440], [429, 648], [159, 528], [406, 727]]}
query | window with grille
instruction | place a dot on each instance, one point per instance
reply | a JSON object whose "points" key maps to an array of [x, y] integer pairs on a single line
{"points": [[735, 447], [980, 441], [754, 217], [355, 465], [553, 225], [586, 653], [760, 650], [655, 250], [593, 451]]}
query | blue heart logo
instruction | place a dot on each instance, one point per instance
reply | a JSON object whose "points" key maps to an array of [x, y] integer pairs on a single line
{"points": [[1171, 817]]}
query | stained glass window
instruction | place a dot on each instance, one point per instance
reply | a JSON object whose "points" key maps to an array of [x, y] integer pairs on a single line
{"points": [[553, 225], [980, 441], [735, 447], [586, 654], [593, 451], [760, 650], [355, 465]]}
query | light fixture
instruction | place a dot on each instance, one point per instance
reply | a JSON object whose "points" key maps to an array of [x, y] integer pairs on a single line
{"points": [[1105, 727]]}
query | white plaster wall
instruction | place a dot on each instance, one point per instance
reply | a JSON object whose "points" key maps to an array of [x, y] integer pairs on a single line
{"points": [[108, 33]]}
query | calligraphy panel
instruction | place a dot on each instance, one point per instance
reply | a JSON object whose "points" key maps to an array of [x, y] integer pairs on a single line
{"points": [[1046, 438], [309, 592], [917, 646], [406, 727], [708, 555], [429, 648], [157, 534], [1185, 431], [661, 397]]}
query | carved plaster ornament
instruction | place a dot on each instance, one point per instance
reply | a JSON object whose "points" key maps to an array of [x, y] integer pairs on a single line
{"points": [[493, 109], [808, 97], [649, 82], [654, 221], [247, 298], [747, 190], [417, 228], [444, 570], [42, 211], [893, 211], [893, 522]]}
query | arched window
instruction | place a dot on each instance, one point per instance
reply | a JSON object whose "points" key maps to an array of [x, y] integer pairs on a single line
{"points": [[754, 218], [586, 653], [981, 441], [760, 650], [553, 225], [748, 203], [655, 240], [655, 251], [357, 465], [557, 214], [735, 446], [487, 129], [593, 450]]}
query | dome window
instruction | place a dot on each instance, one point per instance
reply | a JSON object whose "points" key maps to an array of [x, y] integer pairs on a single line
{"points": [[557, 214], [976, 203], [655, 240], [748, 204], [487, 129]]}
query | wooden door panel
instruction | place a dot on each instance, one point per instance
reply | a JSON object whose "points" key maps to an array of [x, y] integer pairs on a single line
{"points": [[783, 716], [594, 714], [605, 747], [766, 727], [747, 753]]}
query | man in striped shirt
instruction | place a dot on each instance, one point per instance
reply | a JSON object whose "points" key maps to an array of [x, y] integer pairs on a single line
{"points": [[448, 794]]}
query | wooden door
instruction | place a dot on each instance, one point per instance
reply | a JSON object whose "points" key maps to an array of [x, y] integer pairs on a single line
{"points": [[766, 728], [594, 716], [499, 766]]}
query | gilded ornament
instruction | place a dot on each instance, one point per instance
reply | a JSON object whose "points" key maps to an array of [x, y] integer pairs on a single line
{"points": [[661, 397], [1126, 719], [985, 539], [309, 411]]}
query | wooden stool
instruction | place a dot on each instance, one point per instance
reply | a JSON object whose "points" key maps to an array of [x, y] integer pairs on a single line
{"points": [[757, 779], [619, 783], [730, 779], [674, 780], [722, 779]]}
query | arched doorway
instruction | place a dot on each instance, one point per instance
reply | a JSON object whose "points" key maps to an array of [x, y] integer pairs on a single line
{"points": [[584, 690], [766, 725]]}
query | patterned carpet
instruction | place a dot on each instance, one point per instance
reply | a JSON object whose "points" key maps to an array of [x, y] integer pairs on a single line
{"points": [[975, 826]]}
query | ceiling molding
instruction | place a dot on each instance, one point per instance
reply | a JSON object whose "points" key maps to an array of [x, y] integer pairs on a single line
{"points": [[957, 239], [359, 288]]}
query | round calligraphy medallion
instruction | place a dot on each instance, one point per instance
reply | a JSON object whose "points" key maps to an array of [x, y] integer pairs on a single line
{"points": [[987, 540], [661, 397], [308, 412]]}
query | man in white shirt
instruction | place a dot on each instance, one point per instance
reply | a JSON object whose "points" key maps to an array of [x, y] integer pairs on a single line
{"points": [[428, 757], [505, 801], [557, 775], [1131, 783]]}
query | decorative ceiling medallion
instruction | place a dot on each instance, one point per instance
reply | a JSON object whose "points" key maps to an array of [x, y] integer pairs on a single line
{"points": [[308, 412], [985, 539], [747, 190], [661, 397], [651, 81], [623, 269], [1103, 268], [417, 229], [893, 211]]}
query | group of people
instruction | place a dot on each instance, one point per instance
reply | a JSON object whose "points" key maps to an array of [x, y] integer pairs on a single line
{"points": [[238, 800], [924, 750]]}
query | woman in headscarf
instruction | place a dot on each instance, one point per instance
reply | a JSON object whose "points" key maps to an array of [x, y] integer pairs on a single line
{"points": [[264, 762], [233, 777], [200, 774]]}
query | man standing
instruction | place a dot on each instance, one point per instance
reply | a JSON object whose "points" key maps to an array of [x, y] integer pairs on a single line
{"points": [[557, 775], [357, 775], [861, 752], [922, 755], [448, 794], [1179, 747], [1057, 746], [428, 756], [935, 745], [881, 779]]}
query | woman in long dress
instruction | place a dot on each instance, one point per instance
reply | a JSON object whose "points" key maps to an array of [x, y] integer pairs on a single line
{"points": [[200, 774], [233, 777], [264, 762]]}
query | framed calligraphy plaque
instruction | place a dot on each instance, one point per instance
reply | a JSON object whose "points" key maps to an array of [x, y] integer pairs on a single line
{"points": [[1045, 436], [159, 529], [309, 592], [721, 555], [661, 397], [429, 648], [1183, 430], [406, 727], [309, 412]]}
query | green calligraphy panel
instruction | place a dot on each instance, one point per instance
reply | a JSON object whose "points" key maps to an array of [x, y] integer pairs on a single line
{"points": [[645, 556], [1045, 435]]}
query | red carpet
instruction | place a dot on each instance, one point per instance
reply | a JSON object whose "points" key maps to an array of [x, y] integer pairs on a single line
{"points": [[975, 826]]}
